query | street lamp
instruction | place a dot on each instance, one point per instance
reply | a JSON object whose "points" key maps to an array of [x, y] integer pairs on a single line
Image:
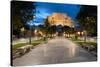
{"points": [[85, 35], [30, 23]]}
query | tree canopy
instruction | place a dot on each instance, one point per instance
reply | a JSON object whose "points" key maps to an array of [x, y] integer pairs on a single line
{"points": [[21, 12], [87, 18]]}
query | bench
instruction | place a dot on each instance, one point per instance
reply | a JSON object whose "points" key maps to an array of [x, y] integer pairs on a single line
{"points": [[88, 47], [22, 50], [25, 49]]}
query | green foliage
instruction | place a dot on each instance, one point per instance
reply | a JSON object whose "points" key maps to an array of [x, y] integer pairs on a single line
{"points": [[68, 30], [46, 28], [87, 18], [21, 12], [14, 47], [34, 43], [17, 25], [87, 43]]}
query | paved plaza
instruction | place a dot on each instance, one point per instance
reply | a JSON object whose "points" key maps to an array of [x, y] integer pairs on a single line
{"points": [[57, 50]]}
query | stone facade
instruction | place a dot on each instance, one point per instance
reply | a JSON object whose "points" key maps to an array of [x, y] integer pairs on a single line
{"points": [[60, 19]]}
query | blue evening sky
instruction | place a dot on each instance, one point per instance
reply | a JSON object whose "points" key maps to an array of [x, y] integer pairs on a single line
{"points": [[46, 9]]}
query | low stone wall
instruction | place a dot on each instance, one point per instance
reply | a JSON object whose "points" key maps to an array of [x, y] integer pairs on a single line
{"points": [[21, 51]]}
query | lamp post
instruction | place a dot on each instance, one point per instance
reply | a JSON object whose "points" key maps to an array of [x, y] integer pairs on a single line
{"points": [[30, 32], [85, 35], [30, 23]]}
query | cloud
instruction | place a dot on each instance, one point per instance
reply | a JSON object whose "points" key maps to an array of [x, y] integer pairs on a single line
{"points": [[46, 9]]}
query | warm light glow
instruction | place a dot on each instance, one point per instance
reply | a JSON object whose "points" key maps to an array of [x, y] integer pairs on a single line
{"points": [[82, 33], [78, 33], [60, 19], [35, 31], [22, 29]]}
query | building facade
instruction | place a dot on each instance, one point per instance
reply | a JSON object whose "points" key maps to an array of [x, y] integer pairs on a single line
{"points": [[60, 19]]}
